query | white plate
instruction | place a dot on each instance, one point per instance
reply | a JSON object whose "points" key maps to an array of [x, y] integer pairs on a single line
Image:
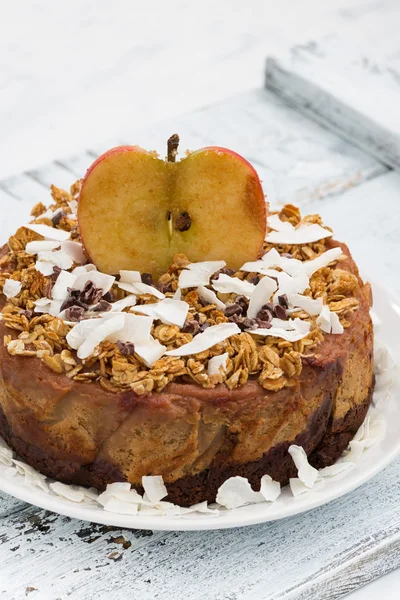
{"points": [[378, 456]]}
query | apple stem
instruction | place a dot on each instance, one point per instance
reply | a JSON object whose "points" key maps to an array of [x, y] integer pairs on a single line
{"points": [[172, 147]]}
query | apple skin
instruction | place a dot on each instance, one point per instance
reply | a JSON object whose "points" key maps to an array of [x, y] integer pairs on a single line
{"points": [[145, 189]]}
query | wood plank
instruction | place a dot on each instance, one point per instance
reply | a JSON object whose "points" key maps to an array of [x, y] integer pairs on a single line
{"points": [[368, 219], [307, 556], [336, 85], [297, 159]]}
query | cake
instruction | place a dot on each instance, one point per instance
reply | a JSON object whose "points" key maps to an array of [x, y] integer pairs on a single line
{"points": [[288, 361]]}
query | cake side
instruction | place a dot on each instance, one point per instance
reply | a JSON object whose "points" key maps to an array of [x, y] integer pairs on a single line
{"points": [[195, 437]]}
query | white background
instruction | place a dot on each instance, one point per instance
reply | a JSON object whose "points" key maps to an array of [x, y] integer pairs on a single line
{"points": [[75, 73]]}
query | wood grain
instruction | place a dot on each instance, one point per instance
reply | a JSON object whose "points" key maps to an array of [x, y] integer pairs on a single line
{"points": [[349, 93]]}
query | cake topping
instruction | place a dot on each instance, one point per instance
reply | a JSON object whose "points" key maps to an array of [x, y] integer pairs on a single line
{"points": [[205, 321], [11, 288], [49, 233], [285, 233], [207, 339], [196, 274]]}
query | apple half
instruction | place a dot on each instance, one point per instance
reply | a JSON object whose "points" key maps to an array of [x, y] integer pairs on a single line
{"points": [[136, 211]]}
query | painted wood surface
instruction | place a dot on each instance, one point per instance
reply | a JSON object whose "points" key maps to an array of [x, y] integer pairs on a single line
{"points": [[70, 76], [297, 160], [346, 91], [323, 554]]}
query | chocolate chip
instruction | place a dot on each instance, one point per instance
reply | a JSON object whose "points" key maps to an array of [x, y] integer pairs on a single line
{"points": [[255, 280], [27, 313], [224, 271], [102, 306], [233, 309], [147, 279], [264, 324], [283, 301], [91, 294], [108, 297], [57, 217], [191, 326], [243, 302], [74, 313], [165, 287], [280, 312], [126, 348], [56, 272], [205, 326], [268, 306], [183, 222], [265, 315], [250, 323]]}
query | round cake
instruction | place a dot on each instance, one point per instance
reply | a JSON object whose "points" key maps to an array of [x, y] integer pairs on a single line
{"points": [[205, 372]]}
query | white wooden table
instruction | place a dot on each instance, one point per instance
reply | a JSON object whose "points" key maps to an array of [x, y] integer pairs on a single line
{"points": [[70, 79]]}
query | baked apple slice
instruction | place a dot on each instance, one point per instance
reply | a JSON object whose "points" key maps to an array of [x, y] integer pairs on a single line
{"points": [[136, 211]]}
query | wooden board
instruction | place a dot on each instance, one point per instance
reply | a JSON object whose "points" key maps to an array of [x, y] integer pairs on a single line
{"points": [[296, 159], [323, 554], [338, 86]]}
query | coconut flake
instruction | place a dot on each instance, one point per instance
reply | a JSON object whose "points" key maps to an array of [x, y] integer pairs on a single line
{"points": [[280, 329], [64, 281], [323, 260], [329, 322], [233, 285], [288, 284], [195, 274], [150, 351], [306, 473], [285, 233], [169, 311], [261, 295], [32, 477], [100, 280], [126, 302], [118, 506], [74, 251], [310, 305], [11, 288], [57, 258], [154, 487], [177, 294], [236, 492], [136, 329], [44, 267], [298, 487], [201, 507], [270, 489], [274, 222], [140, 288], [210, 297], [104, 329], [70, 492], [271, 259], [209, 338], [216, 364], [49, 233], [41, 246]]}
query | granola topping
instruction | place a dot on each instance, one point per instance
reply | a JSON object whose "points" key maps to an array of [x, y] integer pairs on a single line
{"points": [[200, 322]]}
